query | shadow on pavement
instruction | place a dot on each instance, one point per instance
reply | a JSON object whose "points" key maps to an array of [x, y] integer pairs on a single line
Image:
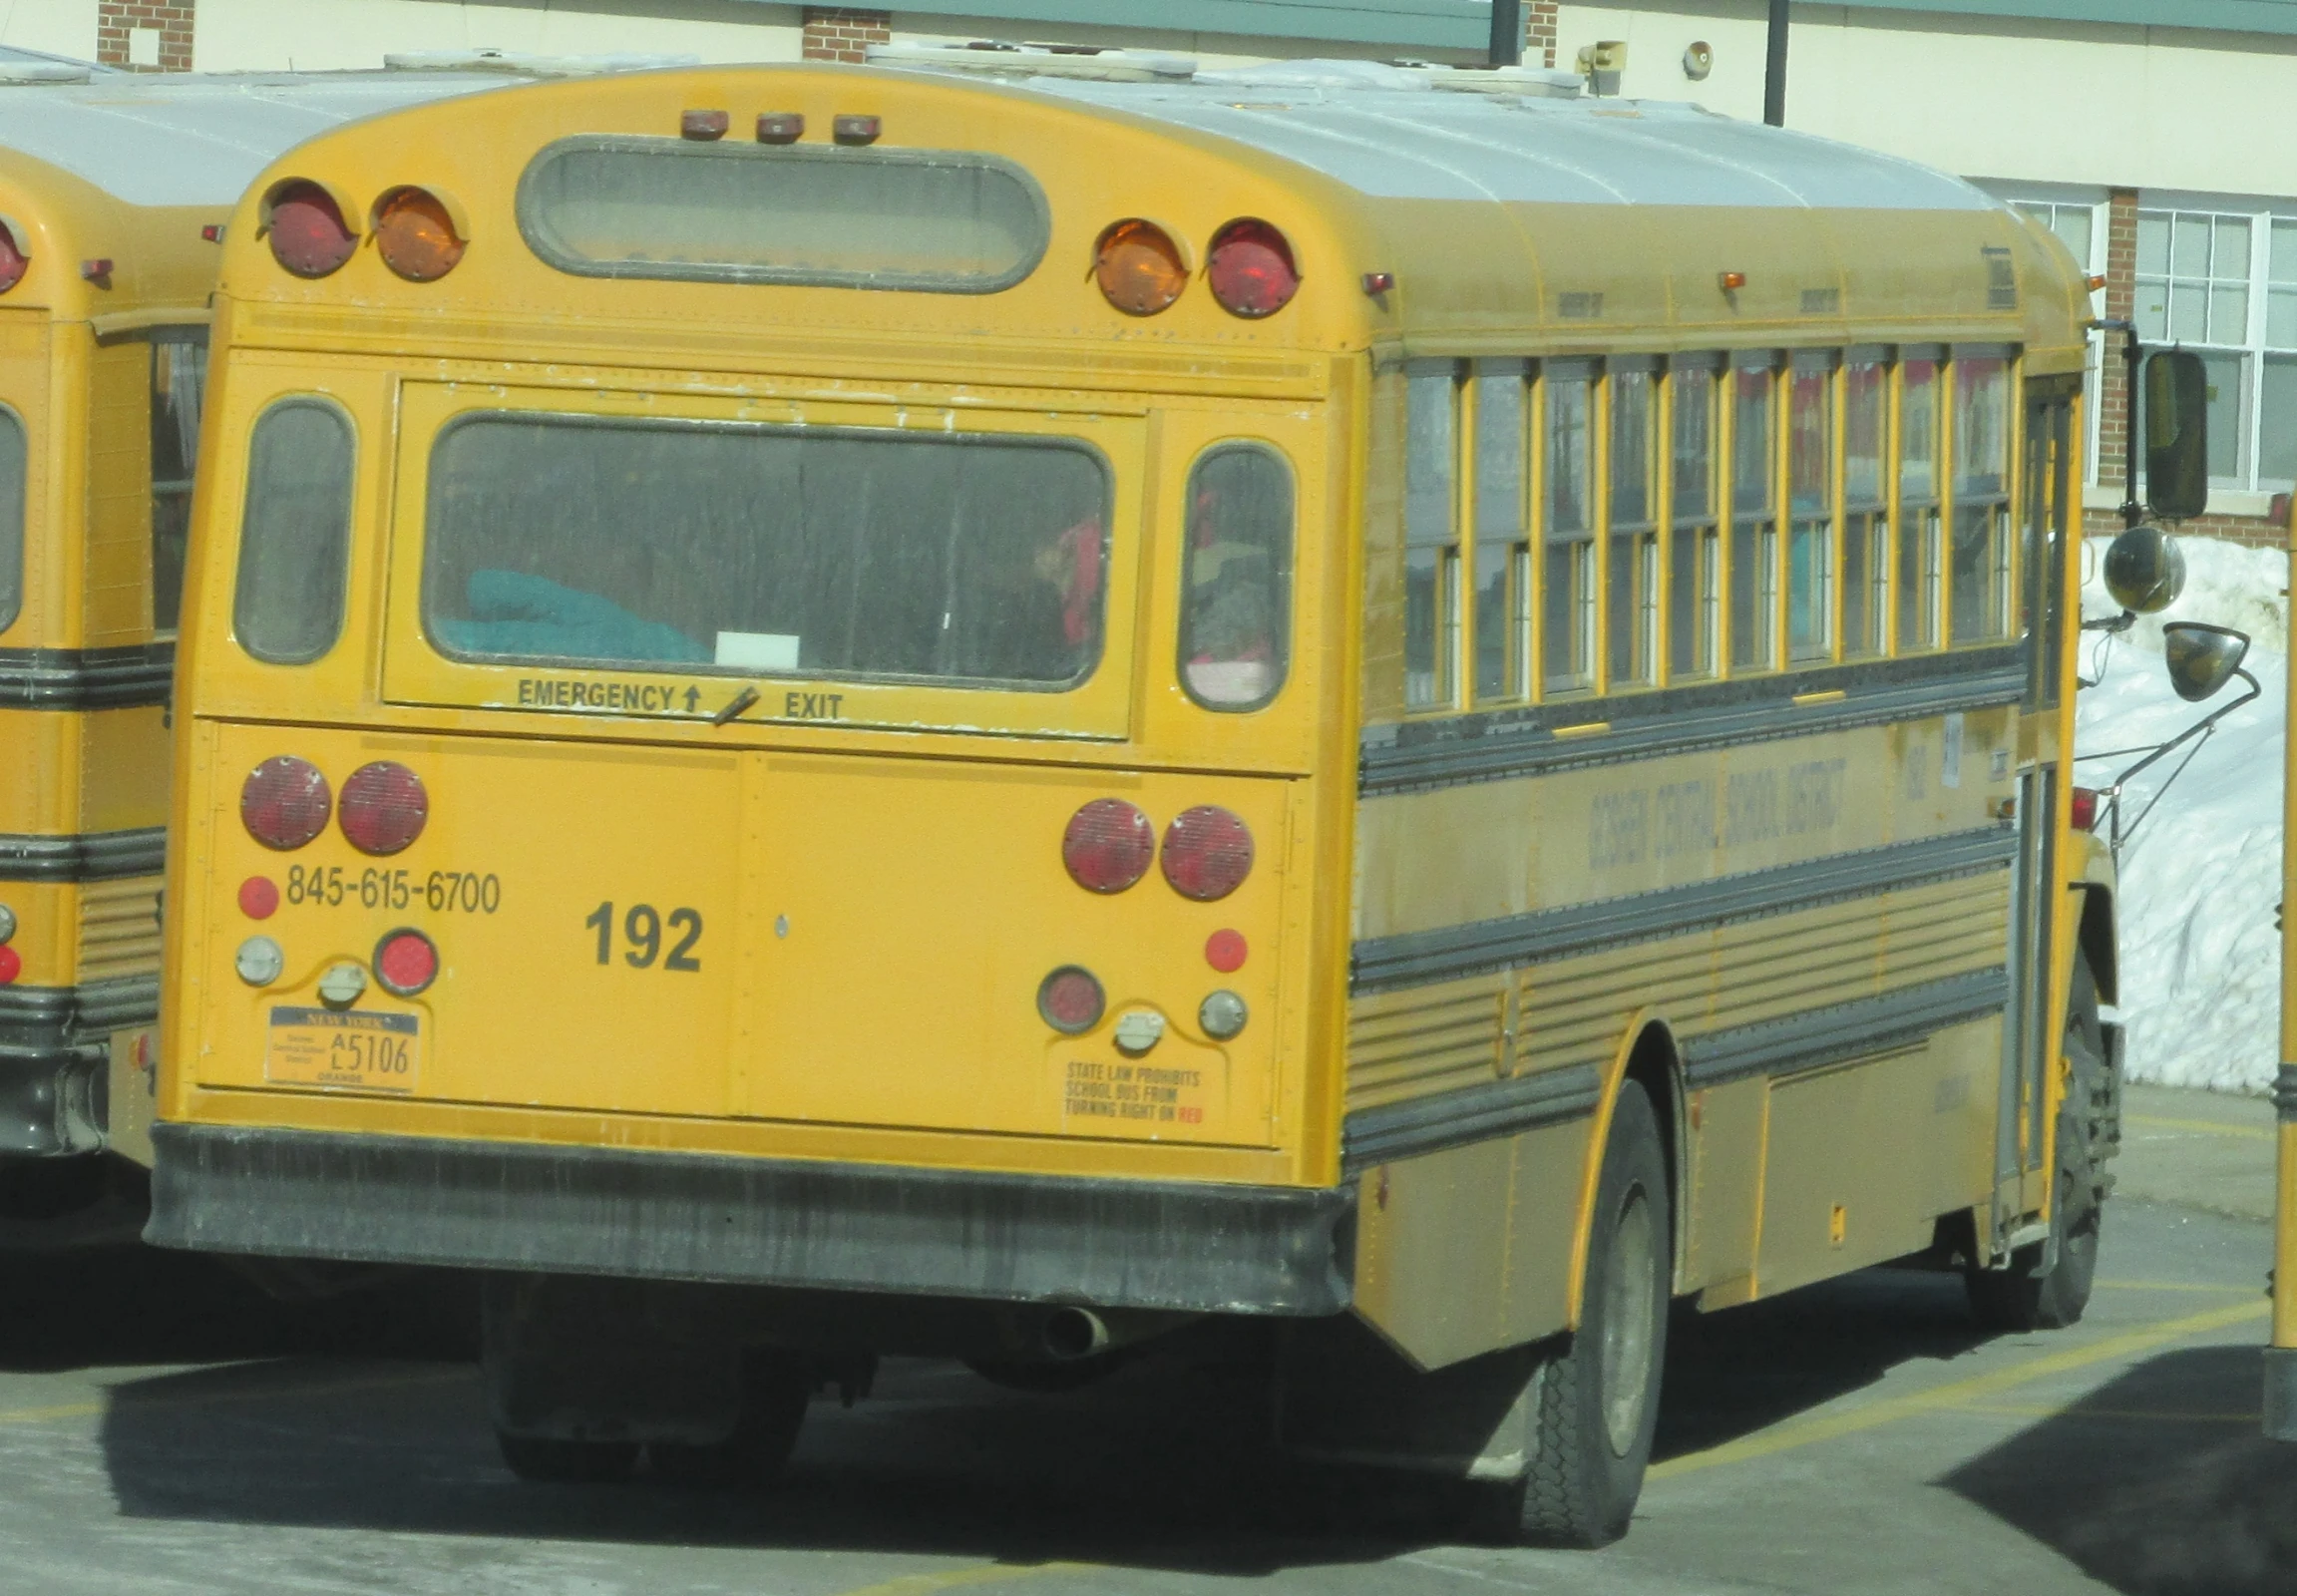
{"points": [[2156, 1484]]}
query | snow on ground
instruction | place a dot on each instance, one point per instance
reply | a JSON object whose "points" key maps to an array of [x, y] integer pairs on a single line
{"points": [[2202, 874]]}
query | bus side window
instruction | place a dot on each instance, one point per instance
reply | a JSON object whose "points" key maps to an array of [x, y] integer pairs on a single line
{"points": [[1502, 538], [179, 381], [1865, 507], [1633, 525], [1235, 582], [1979, 605], [1567, 391], [1695, 542], [1431, 540], [295, 533], [1753, 519], [1918, 526], [1810, 497], [15, 462]]}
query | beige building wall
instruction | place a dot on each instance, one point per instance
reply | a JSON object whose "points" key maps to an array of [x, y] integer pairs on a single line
{"points": [[59, 27], [270, 35]]}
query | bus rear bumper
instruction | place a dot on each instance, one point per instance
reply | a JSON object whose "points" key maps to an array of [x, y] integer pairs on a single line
{"points": [[52, 1100], [1195, 1247]]}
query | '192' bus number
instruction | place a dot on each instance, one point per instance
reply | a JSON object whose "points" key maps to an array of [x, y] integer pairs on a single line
{"points": [[642, 930]]}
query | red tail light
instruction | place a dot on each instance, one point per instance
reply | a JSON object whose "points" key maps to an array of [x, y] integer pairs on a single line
{"points": [[11, 965], [415, 235], [1251, 269], [1109, 845], [384, 807], [1070, 1000], [406, 961], [13, 261], [2084, 813], [284, 802], [1207, 853], [308, 234]]}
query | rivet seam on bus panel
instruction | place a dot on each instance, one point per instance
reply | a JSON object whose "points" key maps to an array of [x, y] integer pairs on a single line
{"points": [[1138, 1030], [260, 961], [342, 984]]}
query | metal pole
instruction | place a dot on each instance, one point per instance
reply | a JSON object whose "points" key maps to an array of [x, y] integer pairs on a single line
{"points": [[2133, 511], [1506, 33], [1775, 68], [2281, 1351]]}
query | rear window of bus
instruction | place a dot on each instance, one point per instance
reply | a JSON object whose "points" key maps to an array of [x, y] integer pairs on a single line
{"points": [[965, 560]]}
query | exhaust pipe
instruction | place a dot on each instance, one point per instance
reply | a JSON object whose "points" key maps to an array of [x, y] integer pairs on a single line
{"points": [[1070, 1333]]}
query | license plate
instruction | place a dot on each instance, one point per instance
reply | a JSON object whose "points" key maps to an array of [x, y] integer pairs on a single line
{"points": [[352, 1050]]}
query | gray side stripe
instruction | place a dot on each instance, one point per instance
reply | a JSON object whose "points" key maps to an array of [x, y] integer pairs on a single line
{"points": [[65, 1016], [86, 678], [1496, 746], [1484, 945], [1847, 1030], [1454, 1118], [95, 856]]}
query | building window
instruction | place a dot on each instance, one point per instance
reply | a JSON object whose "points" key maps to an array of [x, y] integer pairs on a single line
{"points": [[2194, 270], [2080, 224]]}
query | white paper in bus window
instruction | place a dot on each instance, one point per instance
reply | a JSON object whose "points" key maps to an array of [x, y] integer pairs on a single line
{"points": [[758, 651]]}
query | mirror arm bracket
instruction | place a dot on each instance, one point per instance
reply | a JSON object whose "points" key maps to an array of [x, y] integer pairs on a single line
{"points": [[2131, 355]]}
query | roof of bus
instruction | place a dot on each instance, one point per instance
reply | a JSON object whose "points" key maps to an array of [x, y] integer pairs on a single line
{"points": [[190, 138]]}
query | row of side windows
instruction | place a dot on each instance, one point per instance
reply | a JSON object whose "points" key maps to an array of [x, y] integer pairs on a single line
{"points": [[1592, 526]]}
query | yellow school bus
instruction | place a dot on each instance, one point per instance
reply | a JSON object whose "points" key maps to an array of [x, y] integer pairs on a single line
{"points": [[846, 710], [114, 190]]}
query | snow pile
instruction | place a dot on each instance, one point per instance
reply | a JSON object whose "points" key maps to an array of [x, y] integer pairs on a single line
{"points": [[2202, 874]]}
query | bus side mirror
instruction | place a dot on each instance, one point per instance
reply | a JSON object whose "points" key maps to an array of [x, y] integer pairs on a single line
{"points": [[2144, 571], [2201, 658], [2177, 434]]}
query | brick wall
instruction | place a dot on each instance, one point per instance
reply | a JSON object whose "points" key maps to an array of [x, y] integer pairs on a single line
{"points": [[840, 33], [2120, 305], [1539, 32], [172, 18]]}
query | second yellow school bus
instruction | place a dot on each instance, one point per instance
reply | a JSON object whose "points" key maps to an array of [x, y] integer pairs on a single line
{"points": [[833, 712]]}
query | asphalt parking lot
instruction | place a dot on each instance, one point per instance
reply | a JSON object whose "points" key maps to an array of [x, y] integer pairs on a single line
{"points": [[162, 1429]]}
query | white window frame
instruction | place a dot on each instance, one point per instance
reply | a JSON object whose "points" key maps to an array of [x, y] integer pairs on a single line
{"points": [[2027, 196]]}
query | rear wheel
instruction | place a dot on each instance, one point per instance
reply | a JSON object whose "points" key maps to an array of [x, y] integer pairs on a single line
{"points": [[548, 1461], [1593, 1406], [2023, 1296], [774, 1390]]}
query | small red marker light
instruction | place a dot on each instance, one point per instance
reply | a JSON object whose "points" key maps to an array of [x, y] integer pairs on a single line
{"points": [[97, 271], [406, 961], [856, 130], [1730, 282], [2096, 280], [780, 127], [11, 965], [212, 233], [2083, 811], [1376, 284], [1225, 950], [1070, 1000], [703, 126], [258, 898], [1251, 269]]}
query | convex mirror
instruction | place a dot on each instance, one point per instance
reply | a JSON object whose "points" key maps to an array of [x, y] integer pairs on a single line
{"points": [[2201, 658], [2144, 571], [2177, 434]]}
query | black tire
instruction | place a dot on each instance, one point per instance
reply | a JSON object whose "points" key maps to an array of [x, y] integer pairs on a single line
{"points": [[2021, 1297], [544, 1460], [775, 1392], [1595, 1403]]}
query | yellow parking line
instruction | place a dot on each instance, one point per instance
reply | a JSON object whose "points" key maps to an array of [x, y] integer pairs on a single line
{"points": [[2213, 1127], [959, 1578], [1828, 1427]]}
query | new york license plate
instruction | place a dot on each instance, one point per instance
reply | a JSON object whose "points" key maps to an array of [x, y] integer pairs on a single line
{"points": [[350, 1050]]}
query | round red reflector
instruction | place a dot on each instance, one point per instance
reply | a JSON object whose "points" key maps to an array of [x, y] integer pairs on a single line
{"points": [[1070, 1000], [308, 234], [1251, 271], [1109, 845], [284, 802], [1138, 268], [258, 898], [13, 261], [1207, 853], [1225, 950], [11, 965], [383, 808], [406, 961], [415, 235]]}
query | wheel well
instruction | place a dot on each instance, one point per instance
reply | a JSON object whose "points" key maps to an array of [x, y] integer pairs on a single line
{"points": [[2095, 938], [1656, 1066]]}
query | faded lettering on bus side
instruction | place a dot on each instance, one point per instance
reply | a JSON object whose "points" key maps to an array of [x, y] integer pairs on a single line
{"points": [[1686, 817]]}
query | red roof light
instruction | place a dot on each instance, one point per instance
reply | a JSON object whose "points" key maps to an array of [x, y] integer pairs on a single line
{"points": [[1251, 269]]}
